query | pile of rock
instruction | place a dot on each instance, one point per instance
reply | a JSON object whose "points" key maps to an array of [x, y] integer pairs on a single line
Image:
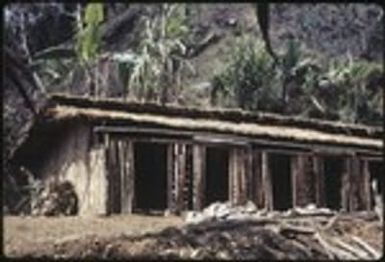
{"points": [[57, 198]]}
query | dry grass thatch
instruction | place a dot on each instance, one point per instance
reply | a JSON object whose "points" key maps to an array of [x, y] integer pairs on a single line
{"points": [[231, 115], [306, 135]]}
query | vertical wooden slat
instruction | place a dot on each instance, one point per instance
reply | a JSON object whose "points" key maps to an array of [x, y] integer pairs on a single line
{"points": [[127, 176], [266, 177], [318, 169], [199, 173], [236, 176], [107, 173], [180, 176], [295, 166], [366, 184], [188, 180], [231, 176], [242, 160], [345, 184], [123, 175], [299, 180], [175, 177], [250, 192], [355, 194], [113, 176], [258, 180], [170, 174]]}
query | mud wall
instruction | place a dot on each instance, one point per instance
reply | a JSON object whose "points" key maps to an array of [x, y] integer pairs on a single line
{"points": [[76, 160]]}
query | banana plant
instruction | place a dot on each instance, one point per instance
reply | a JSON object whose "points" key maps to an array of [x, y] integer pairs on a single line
{"points": [[89, 41]]}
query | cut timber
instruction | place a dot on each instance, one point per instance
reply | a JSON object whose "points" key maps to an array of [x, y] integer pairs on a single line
{"points": [[250, 189], [127, 176], [237, 175], [232, 177], [303, 180], [170, 178], [356, 194], [319, 180], [257, 183], [266, 177], [366, 183], [177, 177], [199, 173], [113, 176], [346, 184]]}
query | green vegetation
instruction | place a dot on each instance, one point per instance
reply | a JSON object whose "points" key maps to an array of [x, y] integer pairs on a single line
{"points": [[155, 71], [344, 89], [232, 71]]}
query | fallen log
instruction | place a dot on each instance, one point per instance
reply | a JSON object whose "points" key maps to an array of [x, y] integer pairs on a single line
{"points": [[286, 228], [366, 247]]}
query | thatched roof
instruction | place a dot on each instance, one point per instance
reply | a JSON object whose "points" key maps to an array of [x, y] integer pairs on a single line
{"points": [[222, 121]]}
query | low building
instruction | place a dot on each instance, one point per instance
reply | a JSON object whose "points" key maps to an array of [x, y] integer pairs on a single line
{"points": [[124, 157]]}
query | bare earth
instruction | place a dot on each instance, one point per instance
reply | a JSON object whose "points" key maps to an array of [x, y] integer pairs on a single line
{"points": [[143, 236], [34, 235]]}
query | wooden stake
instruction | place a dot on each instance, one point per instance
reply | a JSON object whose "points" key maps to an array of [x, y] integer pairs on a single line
{"points": [[199, 171], [266, 176]]}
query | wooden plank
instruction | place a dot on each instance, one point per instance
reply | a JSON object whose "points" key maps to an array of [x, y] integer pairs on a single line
{"points": [[123, 175], [258, 180], [301, 179], [231, 176], [107, 151], [366, 184], [235, 176], [170, 179], [199, 171], [318, 169], [242, 175], [180, 176], [356, 194], [250, 189], [127, 175], [115, 176], [189, 179], [295, 174], [264, 144], [345, 184], [267, 182]]}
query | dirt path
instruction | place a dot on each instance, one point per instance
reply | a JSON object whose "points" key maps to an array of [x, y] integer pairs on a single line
{"points": [[29, 235]]}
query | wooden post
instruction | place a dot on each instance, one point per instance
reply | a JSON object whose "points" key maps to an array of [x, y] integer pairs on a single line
{"points": [[299, 178], [266, 177], [366, 184], [233, 176], [318, 169], [345, 184], [127, 176], [356, 186], [107, 171], [187, 200], [199, 173], [259, 195], [250, 189], [241, 162], [170, 178], [180, 176]]}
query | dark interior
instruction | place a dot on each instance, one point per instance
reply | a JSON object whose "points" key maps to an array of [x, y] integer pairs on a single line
{"points": [[150, 176], [280, 168], [217, 175], [376, 169], [333, 170]]}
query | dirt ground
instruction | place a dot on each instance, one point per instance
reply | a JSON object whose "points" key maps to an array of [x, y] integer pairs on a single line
{"points": [[31, 235], [144, 236]]}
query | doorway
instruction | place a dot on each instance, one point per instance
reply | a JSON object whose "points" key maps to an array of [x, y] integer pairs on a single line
{"points": [[217, 175]]}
